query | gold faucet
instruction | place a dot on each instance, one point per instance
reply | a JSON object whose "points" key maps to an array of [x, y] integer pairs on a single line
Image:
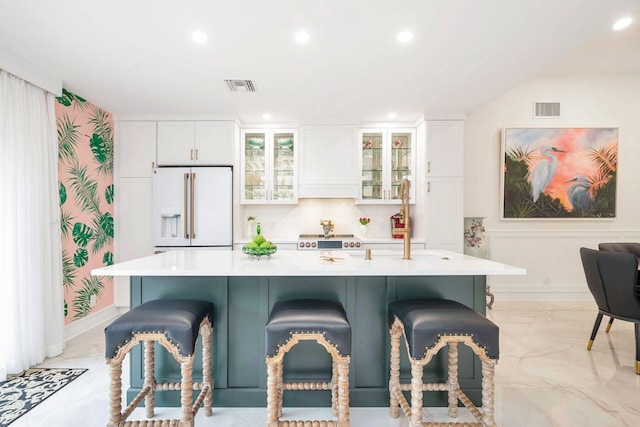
{"points": [[405, 219]]}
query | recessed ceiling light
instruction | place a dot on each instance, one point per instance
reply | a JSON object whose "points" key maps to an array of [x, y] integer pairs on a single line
{"points": [[302, 37], [199, 37], [623, 23], [266, 116], [405, 36], [392, 115]]}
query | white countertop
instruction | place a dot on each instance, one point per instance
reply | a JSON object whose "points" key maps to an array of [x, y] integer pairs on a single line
{"points": [[308, 263]]}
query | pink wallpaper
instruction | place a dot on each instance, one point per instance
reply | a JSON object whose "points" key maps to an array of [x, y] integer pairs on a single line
{"points": [[85, 173]]}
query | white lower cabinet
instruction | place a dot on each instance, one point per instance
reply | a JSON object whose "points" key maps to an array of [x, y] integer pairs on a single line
{"points": [[133, 218]]}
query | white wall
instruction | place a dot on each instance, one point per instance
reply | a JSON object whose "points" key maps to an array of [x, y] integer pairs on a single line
{"points": [[549, 248]]}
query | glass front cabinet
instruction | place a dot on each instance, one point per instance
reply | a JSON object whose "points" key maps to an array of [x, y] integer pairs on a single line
{"points": [[269, 172], [387, 157]]}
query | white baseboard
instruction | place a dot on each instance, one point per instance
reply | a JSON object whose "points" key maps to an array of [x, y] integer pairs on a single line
{"points": [[91, 321], [533, 292]]}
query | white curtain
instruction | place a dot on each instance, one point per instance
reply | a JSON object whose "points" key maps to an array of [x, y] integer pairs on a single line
{"points": [[31, 293]]}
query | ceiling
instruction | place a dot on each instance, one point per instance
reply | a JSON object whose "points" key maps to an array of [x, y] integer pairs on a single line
{"points": [[137, 57]]}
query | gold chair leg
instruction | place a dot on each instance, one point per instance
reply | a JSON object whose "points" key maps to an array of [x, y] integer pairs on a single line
{"points": [[452, 379]]}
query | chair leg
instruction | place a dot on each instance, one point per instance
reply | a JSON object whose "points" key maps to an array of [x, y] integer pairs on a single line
{"points": [[149, 378], [334, 388], [280, 391], [207, 375], [115, 394], [452, 379], [594, 331], [394, 376], [609, 325], [272, 394], [186, 392], [416, 394], [343, 394], [488, 395], [637, 328]]}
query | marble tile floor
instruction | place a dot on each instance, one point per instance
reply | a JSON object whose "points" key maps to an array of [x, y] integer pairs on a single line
{"points": [[545, 377]]}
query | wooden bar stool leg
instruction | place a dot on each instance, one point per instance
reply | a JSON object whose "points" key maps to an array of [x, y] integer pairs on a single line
{"points": [[149, 378], [416, 394], [280, 390], [452, 379], [488, 394], [343, 394], [206, 371], [115, 393], [394, 376], [186, 392], [272, 394], [334, 388]]}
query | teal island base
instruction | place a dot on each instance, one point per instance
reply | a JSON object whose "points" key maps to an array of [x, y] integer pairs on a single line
{"points": [[242, 306]]}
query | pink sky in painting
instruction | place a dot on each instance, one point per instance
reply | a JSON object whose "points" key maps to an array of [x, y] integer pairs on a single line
{"points": [[575, 161]]}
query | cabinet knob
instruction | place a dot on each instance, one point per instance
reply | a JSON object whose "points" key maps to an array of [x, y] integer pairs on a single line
{"points": [[428, 186], [191, 154], [429, 167], [196, 154]]}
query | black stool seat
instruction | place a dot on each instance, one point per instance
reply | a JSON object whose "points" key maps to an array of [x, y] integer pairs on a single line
{"points": [[425, 320], [179, 320], [308, 316]]}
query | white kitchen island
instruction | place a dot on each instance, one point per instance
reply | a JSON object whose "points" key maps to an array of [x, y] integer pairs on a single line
{"points": [[244, 289]]}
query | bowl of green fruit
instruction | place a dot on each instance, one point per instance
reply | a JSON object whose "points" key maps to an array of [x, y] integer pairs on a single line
{"points": [[259, 247]]}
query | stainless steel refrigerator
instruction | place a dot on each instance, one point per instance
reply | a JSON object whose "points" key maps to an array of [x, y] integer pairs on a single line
{"points": [[192, 207]]}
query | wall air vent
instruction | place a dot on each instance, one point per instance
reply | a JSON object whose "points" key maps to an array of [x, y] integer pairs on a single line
{"points": [[241, 85], [546, 110]]}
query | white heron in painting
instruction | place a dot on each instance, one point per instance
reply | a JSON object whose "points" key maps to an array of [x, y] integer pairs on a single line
{"points": [[579, 195], [543, 172]]}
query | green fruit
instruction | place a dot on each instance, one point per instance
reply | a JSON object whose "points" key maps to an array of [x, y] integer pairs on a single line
{"points": [[266, 244], [259, 239], [252, 245]]}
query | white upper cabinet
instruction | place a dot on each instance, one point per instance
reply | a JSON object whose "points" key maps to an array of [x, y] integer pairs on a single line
{"points": [[136, 149], [269, 166], [444, 147], [387, 156], [327, 158], [183, 143]]}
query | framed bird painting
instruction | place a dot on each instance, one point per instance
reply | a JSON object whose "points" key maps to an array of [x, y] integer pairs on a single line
{"points": [[559, 173]]}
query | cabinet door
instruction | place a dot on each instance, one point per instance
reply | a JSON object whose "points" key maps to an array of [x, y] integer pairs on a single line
{"points": [[133, 218], [372, 160], [254, 164], [401, 163], [136, 149], [444, 221], [284, 179], [176, 143], [214, 143], [327, 159], [445, 140]]}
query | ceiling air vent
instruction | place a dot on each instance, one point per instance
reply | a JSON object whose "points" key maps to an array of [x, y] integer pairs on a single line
{"points": [[241, 85], [546, 110]]}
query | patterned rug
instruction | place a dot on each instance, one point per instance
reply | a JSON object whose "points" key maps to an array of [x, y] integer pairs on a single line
{"points": [[20, 393]]}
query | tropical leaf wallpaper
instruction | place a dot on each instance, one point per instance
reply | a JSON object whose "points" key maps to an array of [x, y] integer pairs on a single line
{"points": [[85, 171]]}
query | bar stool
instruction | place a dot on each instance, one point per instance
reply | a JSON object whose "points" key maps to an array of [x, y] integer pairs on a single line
{"points": [[427, 326], [174, 324], [308, 320]]}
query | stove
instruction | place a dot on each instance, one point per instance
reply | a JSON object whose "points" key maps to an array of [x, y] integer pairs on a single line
{"points": [[317, 242]]}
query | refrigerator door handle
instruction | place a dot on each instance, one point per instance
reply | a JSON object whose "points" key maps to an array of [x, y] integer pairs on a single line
{"points": [[184, 218], [193, 206]]}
